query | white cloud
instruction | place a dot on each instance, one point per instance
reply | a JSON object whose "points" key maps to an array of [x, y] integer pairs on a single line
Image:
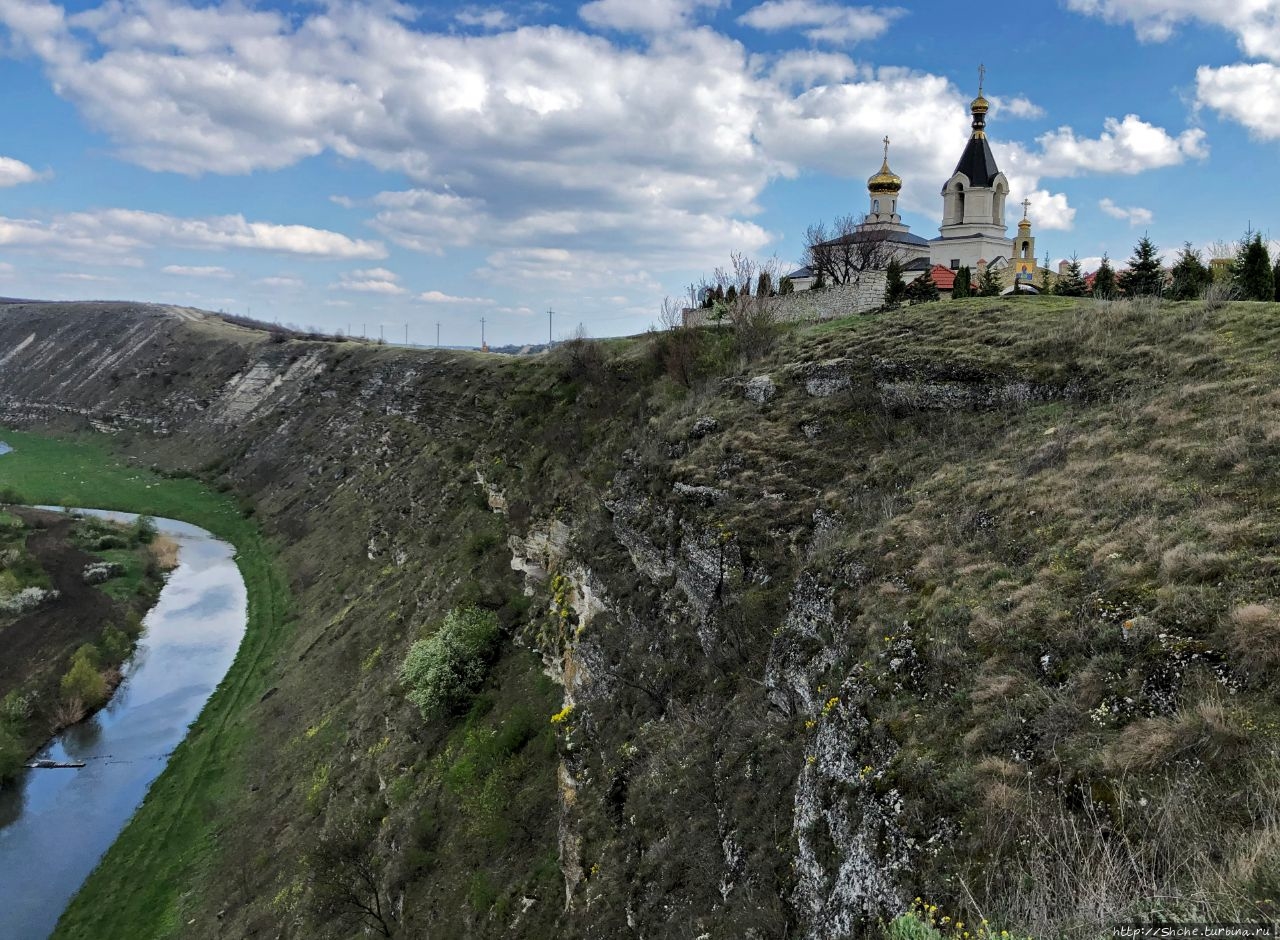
{"points": [[1017, 108], [279, 281], [1134, 215], [483, 18], [81, 276], [1255, 23], [15, 172], [437, 297], [370, 281], [822, 21], [1050, 211], [116, 235], [184, 270], [644, 16], [1248, 94], [1127, 145]]}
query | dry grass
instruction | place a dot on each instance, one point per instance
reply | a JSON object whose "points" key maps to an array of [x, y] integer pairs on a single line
{"points": [[164, 551], [1254, 633]]}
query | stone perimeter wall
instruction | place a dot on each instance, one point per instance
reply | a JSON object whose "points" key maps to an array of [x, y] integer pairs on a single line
{"points": [[863, 295]]}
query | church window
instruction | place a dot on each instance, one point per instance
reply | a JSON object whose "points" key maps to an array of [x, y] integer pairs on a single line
{"points": [[1026, 249], [875, 206]]}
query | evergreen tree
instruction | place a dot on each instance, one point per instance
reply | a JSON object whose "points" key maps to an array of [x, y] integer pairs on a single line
{"points": [[964, 283], [1275, 276], [785, 286], [1145, 276], [1046, 286], [719, 294], [1190, 275], [731, 294], [1071, 284], [1104, 282], [895, 288], [989, 283], [923, 289], [1253, 273], [819, 282], [764, 285]]}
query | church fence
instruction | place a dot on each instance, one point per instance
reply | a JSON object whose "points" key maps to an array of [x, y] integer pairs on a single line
{"points": [[861, 296]]}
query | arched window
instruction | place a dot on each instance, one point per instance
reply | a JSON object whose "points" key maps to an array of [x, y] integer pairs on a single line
{"points": [[959, 202], [875, 207], [1026, 249]]}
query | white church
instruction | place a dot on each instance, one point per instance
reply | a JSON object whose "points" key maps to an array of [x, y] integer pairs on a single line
{"points": [[973, 232]]}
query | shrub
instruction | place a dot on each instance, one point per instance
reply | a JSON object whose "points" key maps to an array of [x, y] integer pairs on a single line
{"points": [[83, 683], [144, 530], [444, 670], [12, 753]]}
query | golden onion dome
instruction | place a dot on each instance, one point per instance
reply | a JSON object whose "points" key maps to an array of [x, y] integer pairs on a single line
{"points": [[886, 182], [980, 105]]}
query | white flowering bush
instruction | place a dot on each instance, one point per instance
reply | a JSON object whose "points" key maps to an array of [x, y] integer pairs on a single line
{"points": [[444, 670]]}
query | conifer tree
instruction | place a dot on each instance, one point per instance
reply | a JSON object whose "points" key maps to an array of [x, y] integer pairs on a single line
{"points": [[819, 282], [964, 283], [895, 288], [1071, 284], [989, 283], [1190, 275], [764, 285], [1253, 273], [1104, 281], [1145, 276], [923, 289], [786, 286], [731, 294]]}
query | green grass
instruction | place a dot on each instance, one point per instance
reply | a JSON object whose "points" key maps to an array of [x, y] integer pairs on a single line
{"points": [[136, 890]]}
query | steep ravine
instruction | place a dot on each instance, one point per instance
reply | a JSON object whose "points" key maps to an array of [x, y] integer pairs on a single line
{"points": [[894, 611]]}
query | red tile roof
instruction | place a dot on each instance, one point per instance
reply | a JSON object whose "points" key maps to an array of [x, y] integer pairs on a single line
{"points": [[944, 277]]}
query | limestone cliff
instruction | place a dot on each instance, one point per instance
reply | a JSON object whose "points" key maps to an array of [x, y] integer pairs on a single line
{"points": [[942, 604]]}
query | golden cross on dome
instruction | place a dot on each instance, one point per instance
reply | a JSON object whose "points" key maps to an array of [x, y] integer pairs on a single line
{"points": [[886, 149], [982, 78], [1026, 207]]}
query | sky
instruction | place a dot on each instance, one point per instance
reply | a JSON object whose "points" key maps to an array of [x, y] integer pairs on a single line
{"points": [[387, 168]]}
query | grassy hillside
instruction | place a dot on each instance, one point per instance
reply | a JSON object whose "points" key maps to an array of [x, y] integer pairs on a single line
{"points": [[975, 602]]}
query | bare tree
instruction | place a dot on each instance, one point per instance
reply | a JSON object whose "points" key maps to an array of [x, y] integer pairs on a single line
{"points": [[345, 877], [840, 254]]}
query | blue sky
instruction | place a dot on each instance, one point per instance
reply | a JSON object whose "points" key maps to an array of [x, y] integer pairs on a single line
{"points": [[377, 165]]}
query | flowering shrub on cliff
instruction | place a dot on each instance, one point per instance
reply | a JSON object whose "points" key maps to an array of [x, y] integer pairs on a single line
{"points": [[442, 671]]}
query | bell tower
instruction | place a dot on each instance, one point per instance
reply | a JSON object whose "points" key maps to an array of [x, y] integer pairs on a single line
{"points": [[1023, 262], [973, 199]]}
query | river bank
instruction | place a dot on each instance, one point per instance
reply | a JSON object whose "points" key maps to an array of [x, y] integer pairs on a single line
{"points": [[56, 824], [135, 889], [75, 589]]}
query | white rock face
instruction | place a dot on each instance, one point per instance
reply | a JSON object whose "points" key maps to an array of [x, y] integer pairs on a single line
{"points": [[760, 389]]}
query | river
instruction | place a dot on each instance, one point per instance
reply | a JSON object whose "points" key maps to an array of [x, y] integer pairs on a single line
{"points": [[56, 824]]}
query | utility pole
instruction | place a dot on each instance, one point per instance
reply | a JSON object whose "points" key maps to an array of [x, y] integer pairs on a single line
{"points": [[549, 316], [482, 342], [437, 333]]}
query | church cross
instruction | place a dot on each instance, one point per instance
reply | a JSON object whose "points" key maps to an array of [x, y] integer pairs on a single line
{"points": [[886, 149], [982, 78], [1026, 207]]}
